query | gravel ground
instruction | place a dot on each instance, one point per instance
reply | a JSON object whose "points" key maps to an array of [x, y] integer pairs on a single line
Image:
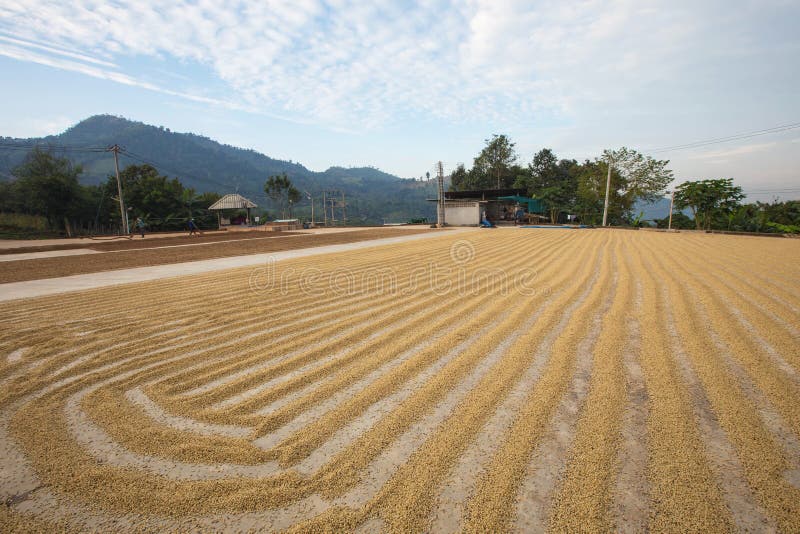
{"points": [[647, 384]]}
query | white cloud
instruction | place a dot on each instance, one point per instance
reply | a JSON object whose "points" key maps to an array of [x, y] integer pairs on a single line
{"points": [[89, 70], [353, 64], [57, 51]]}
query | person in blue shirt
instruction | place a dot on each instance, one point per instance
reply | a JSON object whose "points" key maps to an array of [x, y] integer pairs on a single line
{"points": [[193, 229], [519, 216], [485, 222]]}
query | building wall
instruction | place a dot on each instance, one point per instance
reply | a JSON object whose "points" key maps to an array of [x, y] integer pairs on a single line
{"points": [[462, 213]]}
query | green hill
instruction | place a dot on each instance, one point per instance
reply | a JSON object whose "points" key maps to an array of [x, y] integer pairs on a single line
{"points": [[206, 165]]}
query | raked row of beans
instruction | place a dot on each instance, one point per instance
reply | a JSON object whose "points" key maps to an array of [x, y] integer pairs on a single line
{"points": [[309, 408]]}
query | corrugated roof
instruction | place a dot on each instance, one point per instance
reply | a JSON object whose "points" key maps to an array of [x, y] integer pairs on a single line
{"points": [[232, 202], [482, 194]]}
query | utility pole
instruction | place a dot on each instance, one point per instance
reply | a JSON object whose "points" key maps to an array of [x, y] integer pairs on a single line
{"points": [[123, 213], [329, 200], [440, 222], [324, 210], [608, 188], [671, 203], [308, 195], [344, 211]]}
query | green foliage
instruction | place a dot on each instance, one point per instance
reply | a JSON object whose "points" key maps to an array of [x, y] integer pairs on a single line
{"points": [[680, 221], [22, 226], [207, 168], [162, 203], [591, 177], [713, 202], [21, 221], [47, 185], [786, 213], [785, 228], [766, 217], [459, 179], [566, 186], [554, 182], [636, 177], [205, 165], [150, 195], [718, 208], [281, 190], [641, 177], [492, 169]]}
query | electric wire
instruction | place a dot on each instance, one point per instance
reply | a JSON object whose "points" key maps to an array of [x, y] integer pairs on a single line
{"points": [[164, 168], [16, 145], [726, 139]]}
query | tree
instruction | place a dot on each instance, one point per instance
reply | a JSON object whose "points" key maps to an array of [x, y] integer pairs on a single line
{"points": [[679, 222], [492, 167], [642, 177], [458, 178], [161, 202], [48, 185], [554, 182], [280, 189], [590, 194], [634, 177], [709, 199]]}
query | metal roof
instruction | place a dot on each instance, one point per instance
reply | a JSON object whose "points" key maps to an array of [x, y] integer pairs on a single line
{"points": [[482, 194], [232, 201]]}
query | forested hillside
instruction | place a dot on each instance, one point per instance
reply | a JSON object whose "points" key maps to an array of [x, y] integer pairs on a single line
{"points": [[208, 166]]}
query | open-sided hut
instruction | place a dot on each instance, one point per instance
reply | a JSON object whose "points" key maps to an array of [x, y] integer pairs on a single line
{"points": [[233, 201]]}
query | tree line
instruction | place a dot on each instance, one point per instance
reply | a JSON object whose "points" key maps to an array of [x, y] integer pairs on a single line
{"points": [[569, 187], [46, 196], [47, 186], [717, 205]]}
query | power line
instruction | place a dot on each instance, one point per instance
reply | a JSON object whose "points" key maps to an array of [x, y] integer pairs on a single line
{"points": [[15, 145], [735, 137], [23, 146], [768, 191], [148, 161]]}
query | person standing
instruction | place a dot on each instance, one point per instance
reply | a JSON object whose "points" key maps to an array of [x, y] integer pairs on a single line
{"points": [[193, 229], [139, 225], [519, 215]]}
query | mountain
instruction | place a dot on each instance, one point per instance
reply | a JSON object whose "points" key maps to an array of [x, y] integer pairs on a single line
{"points": [[657, 210], [372, 196]]}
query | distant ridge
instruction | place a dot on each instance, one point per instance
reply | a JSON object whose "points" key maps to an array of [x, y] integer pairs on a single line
{"points": [[207, 165]]}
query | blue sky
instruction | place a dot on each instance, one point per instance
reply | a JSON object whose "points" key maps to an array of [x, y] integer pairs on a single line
{"points": [[400, 85]]}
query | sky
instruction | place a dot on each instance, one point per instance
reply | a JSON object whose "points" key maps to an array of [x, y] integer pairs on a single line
{"points": [[401, 85]]}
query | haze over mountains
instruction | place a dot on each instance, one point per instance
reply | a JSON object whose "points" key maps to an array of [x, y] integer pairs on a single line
{"points": [[206, 165]]}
